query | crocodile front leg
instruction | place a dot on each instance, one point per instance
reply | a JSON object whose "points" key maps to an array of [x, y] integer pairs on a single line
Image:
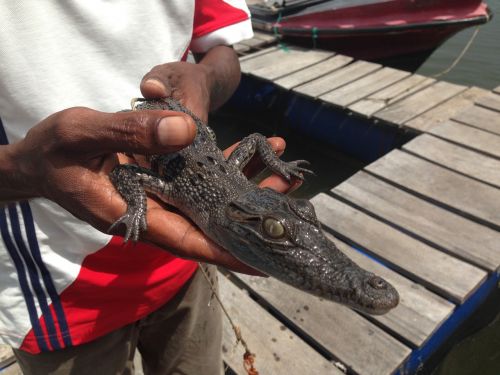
{"points": [[132, 182], [257, 143]]}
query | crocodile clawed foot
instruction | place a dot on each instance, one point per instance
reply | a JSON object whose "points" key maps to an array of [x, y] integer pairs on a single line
{"points": [[135, 223], [294, 169]]}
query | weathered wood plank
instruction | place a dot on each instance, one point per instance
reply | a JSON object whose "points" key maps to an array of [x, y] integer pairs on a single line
{"points": [[439, 271], [490, 101], [269, 38], [13, 369], [280, 63], [356, 342], [456, 158], [481, 118], [446, 110], [336, 79], [255, 42], [6, 356], [312, 72], [277, 349], [241, 48], [419, 313], [257, 54], [422, 101], [391, 94], [466, 195], [468, 240], [363, 87], [469, 137]]}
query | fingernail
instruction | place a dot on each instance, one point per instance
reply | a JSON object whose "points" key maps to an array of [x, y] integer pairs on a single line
{"points": [[157, 87], [175, 131]]}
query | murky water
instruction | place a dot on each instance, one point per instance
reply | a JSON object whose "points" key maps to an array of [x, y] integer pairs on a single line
{"points": [[480, 66]]}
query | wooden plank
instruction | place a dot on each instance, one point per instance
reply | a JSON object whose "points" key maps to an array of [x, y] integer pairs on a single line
{"points": [[312, 72], [391, 94], [280, 63], [254, 42], [467, 196], [422, 101], [466, 239], [6, 356], [13, 369], [336, 79], [440, 272], [446, 110], [490, 101], [269, 38], [419, 313], [257, 54], [481, 118], [363, 87], [356, 342], [469, 137], [277, 349], [457, 158], [241, 48], [497, 90]]}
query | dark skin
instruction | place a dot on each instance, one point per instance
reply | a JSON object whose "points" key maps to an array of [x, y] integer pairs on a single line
{"points": [[67, 157]]}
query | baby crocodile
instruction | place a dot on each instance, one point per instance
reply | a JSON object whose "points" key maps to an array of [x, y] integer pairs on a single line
{"points": [[269, 231]]}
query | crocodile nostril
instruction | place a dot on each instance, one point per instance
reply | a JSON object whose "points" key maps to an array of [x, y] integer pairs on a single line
{"points": [[377, 282]]}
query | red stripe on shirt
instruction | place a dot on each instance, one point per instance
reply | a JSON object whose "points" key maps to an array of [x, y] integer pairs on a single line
{"points": [[116, 286], [211, 15]]}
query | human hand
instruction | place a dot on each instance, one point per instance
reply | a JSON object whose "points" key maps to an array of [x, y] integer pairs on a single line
{"points": [[68, 156], [200, 87]]}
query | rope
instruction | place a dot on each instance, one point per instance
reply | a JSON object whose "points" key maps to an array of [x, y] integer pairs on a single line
{"points": [[276, 33], [460, 56], [314, 36], [248, 356]]}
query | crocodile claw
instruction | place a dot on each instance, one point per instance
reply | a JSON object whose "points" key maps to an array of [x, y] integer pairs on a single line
{"points": [[293, 169], [135, 223]]}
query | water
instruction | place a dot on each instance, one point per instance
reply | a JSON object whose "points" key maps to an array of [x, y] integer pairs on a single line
{"points": [[480, 66]]}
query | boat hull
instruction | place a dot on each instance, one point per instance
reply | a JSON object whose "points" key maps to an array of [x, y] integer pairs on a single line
{"points": [[381, 30]]}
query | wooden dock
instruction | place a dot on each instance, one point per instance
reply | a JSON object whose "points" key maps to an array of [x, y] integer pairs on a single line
{"points": [[425, 216]]}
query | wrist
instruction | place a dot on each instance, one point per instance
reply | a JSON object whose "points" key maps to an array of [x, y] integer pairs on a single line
{"points": [[17, 178]]}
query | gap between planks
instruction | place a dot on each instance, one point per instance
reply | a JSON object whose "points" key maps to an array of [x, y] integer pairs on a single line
{"points": [[466, 196], [456, 158], [435, 225], [278, 350], [448, 276]]}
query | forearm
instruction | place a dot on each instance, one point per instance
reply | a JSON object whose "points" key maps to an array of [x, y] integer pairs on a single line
{"points": [[224, 72], [14, 182]]}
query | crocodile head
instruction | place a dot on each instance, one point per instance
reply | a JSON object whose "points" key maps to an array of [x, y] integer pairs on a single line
{"points": [[281, 237]]}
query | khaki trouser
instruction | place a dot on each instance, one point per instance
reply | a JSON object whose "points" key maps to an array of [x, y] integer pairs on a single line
{"points": [[182, 337]]}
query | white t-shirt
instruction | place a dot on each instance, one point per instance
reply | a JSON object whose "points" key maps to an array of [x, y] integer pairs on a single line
{"points": [[62, 282]]}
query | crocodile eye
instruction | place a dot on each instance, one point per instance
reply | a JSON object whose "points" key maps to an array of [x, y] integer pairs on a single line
{"points": [[273, 228]]}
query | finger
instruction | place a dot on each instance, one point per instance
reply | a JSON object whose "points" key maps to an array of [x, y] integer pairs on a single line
{"points": [[177, 234], [280, 184], [255, 165], [141, 132], [152, 87], [155, 84]]}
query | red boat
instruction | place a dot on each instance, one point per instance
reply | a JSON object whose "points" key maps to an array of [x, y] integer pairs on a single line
{"points": [[380, 30]]}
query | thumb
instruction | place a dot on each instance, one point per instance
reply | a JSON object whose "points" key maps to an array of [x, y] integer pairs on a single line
{"points": [[139, 132]]}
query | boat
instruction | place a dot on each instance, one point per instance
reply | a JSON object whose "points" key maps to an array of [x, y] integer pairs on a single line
{"points": [[401, 33]]}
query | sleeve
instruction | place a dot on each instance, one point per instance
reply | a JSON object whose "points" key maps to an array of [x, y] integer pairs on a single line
{"points": [[219, 22]]}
